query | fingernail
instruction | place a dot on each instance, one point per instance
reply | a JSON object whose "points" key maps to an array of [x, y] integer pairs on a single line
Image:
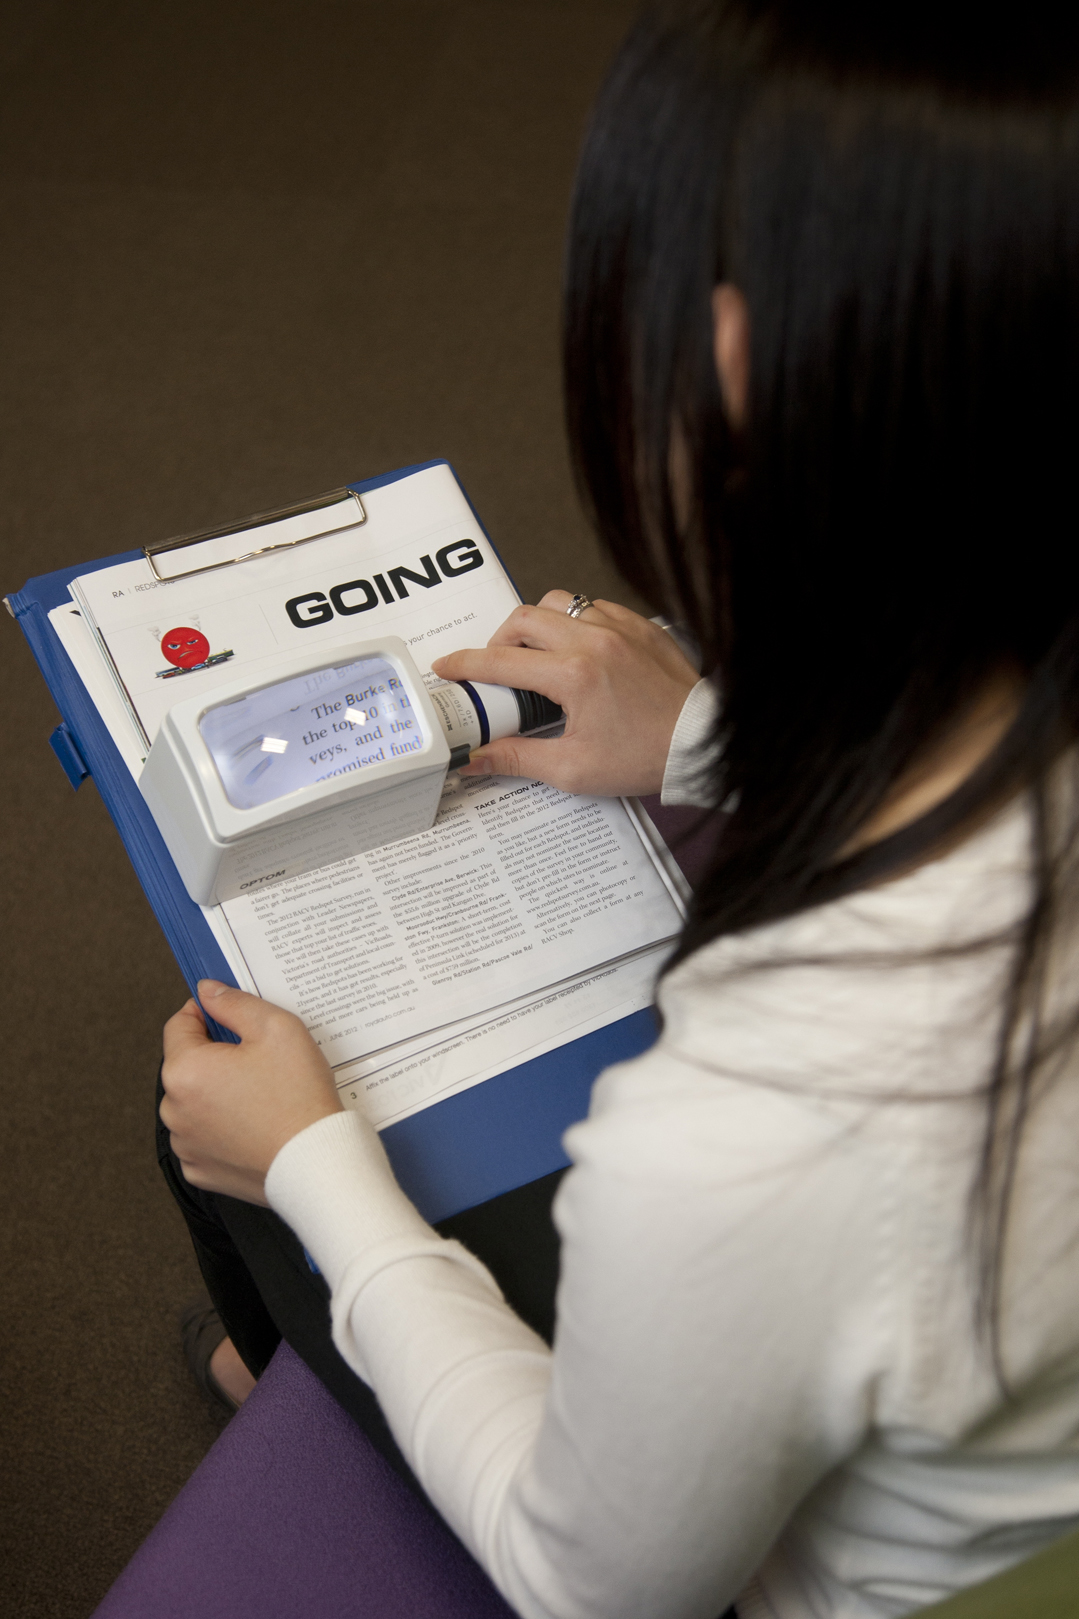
{"points": [[210, 988]]}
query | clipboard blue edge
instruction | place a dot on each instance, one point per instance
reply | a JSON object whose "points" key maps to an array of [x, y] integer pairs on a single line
{"points": [[453, 1155]]}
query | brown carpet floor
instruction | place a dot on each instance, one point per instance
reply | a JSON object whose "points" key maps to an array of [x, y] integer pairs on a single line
{"points": [[250, 251]]}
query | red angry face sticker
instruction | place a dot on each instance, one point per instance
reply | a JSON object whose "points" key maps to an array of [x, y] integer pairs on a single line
{"points": [[185, 647]]}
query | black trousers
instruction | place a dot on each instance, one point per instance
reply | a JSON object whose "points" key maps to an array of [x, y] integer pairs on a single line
{"points": [[258, 1277]]}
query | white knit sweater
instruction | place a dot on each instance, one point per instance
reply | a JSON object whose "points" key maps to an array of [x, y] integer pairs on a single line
{"points": [[767, 1384]]}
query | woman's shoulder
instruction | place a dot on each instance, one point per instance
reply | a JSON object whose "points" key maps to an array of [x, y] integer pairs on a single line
{"points": [[779, 1041], [977, 888], [895, 986]]}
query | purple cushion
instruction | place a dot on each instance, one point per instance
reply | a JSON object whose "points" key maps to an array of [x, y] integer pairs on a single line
{"points": [[293, 1514]]}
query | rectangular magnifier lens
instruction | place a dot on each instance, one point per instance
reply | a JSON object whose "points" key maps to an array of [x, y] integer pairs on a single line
{"points": [[327, 722]]}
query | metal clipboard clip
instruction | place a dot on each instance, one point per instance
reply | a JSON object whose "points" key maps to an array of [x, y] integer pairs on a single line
{"points": [[285, 528]]}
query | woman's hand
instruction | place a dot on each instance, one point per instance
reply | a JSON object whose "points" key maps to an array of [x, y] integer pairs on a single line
{"points": [[621, 680], [230, 1109]]}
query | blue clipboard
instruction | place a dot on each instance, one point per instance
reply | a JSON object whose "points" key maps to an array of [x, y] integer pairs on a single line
{"points": [[500, 1134]]}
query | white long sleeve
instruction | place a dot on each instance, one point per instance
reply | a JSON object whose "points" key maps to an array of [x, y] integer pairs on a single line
{"points": [[685, 779], [766, 1381]]}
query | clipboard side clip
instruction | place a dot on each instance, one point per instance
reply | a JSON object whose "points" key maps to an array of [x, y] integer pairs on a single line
{"points": [[285, 528]]}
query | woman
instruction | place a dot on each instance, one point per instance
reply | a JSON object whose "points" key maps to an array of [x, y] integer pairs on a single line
{"points": [[817, 1347]]}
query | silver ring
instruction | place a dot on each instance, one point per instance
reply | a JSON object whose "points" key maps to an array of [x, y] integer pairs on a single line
{"points": [[578, 605]]}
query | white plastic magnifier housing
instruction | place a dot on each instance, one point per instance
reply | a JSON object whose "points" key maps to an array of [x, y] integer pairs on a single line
{"points": [[259, 780]]}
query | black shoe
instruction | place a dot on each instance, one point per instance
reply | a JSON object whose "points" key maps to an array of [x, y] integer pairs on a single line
{"points": [[201, 1331]]}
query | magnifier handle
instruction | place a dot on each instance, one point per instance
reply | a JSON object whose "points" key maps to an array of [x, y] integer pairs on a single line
{"points": [[473, 713]]}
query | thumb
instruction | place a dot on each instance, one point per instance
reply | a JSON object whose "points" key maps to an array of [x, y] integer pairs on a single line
{"points": [[234, 1009], [516, 756], [186, 1028]]}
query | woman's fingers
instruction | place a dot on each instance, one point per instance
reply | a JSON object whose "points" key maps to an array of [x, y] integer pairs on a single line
{"points": [[510, 665], [521, 756], [185, 1030], [536, 649], [548, 628], [231, 1108], [620, 680], [557, 601], [235, 1010]]}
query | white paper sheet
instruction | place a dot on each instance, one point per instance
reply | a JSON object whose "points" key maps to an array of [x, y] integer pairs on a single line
{"points": [[517, 887]]}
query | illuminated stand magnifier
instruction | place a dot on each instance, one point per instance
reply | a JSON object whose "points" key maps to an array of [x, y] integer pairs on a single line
{"points": [[261, 780]]}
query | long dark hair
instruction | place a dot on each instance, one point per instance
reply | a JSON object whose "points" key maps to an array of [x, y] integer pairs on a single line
{"points": [[895, 189]]}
